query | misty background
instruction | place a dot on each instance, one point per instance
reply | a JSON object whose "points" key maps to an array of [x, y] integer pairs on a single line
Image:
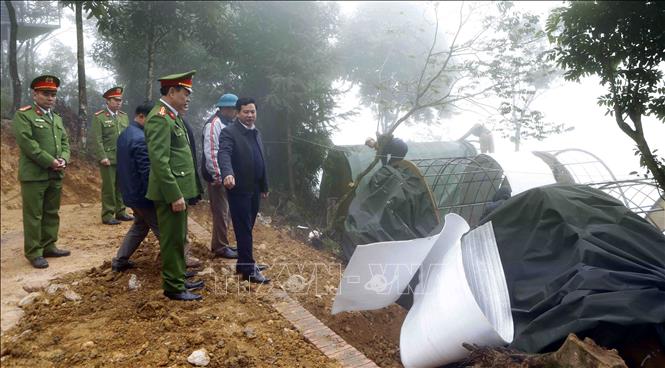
{"points": [[333, 73]]}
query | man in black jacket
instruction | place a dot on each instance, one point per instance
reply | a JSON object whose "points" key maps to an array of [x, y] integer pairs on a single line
{"points": [[133, 170], [242, 161]]}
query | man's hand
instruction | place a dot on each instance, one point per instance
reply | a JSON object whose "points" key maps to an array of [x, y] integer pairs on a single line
{"points": [[63, 163], [105, 162], [56, 165], [264, 195], [229, 182], [178, 205]]}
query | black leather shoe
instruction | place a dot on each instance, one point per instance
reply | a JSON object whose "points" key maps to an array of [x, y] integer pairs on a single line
{"points": [[39, 262], [121, 265], [124, 217], [260, 266], [227, 252], [194, 285], [111, 222], [189, 274], [255, 277], [57, 253], [183, 295]]}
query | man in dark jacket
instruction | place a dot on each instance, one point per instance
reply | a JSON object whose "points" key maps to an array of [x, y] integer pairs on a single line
{"points": [[133, 171], [242, 161]]}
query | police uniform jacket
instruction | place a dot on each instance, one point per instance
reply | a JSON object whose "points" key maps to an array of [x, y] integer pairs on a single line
{"points": [[105, 132], [172, 173], [41, 140]]}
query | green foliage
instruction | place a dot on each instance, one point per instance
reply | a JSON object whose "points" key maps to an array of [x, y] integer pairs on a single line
{"points": [[622, 44], [520, 70], [278, 53], [100, 10], [199, 35], [284, 59]]}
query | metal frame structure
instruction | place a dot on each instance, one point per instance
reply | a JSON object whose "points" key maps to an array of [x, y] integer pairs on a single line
{"points": [[642, 196], [462, 185], [466, 185]]}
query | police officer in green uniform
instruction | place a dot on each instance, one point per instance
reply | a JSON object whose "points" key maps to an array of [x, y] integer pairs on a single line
{"points": [[44, 147], [106, 127], [172, 181]]}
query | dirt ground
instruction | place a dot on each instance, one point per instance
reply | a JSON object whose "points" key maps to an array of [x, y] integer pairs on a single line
{"points": [[112, 325]]}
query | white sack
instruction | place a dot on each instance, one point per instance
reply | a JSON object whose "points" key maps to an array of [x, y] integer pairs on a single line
{"points": [[462, 297]]}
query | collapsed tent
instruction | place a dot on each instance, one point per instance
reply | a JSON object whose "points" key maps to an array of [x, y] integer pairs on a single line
{"points": [[344, 163], [577, 260], [465, 184]]}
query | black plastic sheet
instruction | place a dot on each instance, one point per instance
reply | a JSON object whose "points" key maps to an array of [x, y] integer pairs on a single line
{"points": [[394, 205], [576, 260]]}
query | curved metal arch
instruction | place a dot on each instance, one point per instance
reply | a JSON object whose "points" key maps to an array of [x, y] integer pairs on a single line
{"points": [[556, 153], [463, 185]]}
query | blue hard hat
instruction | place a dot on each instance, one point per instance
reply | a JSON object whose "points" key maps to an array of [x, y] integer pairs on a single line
{"points": [[227, 100]]}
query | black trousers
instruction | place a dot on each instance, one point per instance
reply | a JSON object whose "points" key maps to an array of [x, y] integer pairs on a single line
{"points": [[243, 208], [145, 219]]}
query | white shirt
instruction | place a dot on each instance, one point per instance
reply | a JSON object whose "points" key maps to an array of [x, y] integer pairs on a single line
{"points": [[47, 112], [169, 106], [112, 113]]}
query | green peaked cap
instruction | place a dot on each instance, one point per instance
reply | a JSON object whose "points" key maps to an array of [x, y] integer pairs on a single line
{"points": [[174, 80]]}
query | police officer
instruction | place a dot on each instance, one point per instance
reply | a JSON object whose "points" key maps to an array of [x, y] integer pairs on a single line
{"points": [[44, 147], [172, 181], [106, 127]]}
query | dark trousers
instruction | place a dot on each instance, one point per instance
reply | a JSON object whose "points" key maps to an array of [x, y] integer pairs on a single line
{"points": [[145, 219], [244, 207]]}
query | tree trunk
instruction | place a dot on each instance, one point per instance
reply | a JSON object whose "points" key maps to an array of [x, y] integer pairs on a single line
{"points": [[80, 57], [289, 158], [151, 66], [649, 161], [13, 64], [517, 124], [151, 47]]}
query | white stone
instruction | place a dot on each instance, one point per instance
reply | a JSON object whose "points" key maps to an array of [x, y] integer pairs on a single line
{"points": [[199, 358], [207, 271], [53, 288], [29, 299], [295, 284], [32, 286], [71, 295], [133, 283], [265, 220]]}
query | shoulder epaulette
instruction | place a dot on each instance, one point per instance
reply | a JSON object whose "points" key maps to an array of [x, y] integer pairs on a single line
{"points": [[162, 111], [99, 112], [122, 112], [25, 108]]}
